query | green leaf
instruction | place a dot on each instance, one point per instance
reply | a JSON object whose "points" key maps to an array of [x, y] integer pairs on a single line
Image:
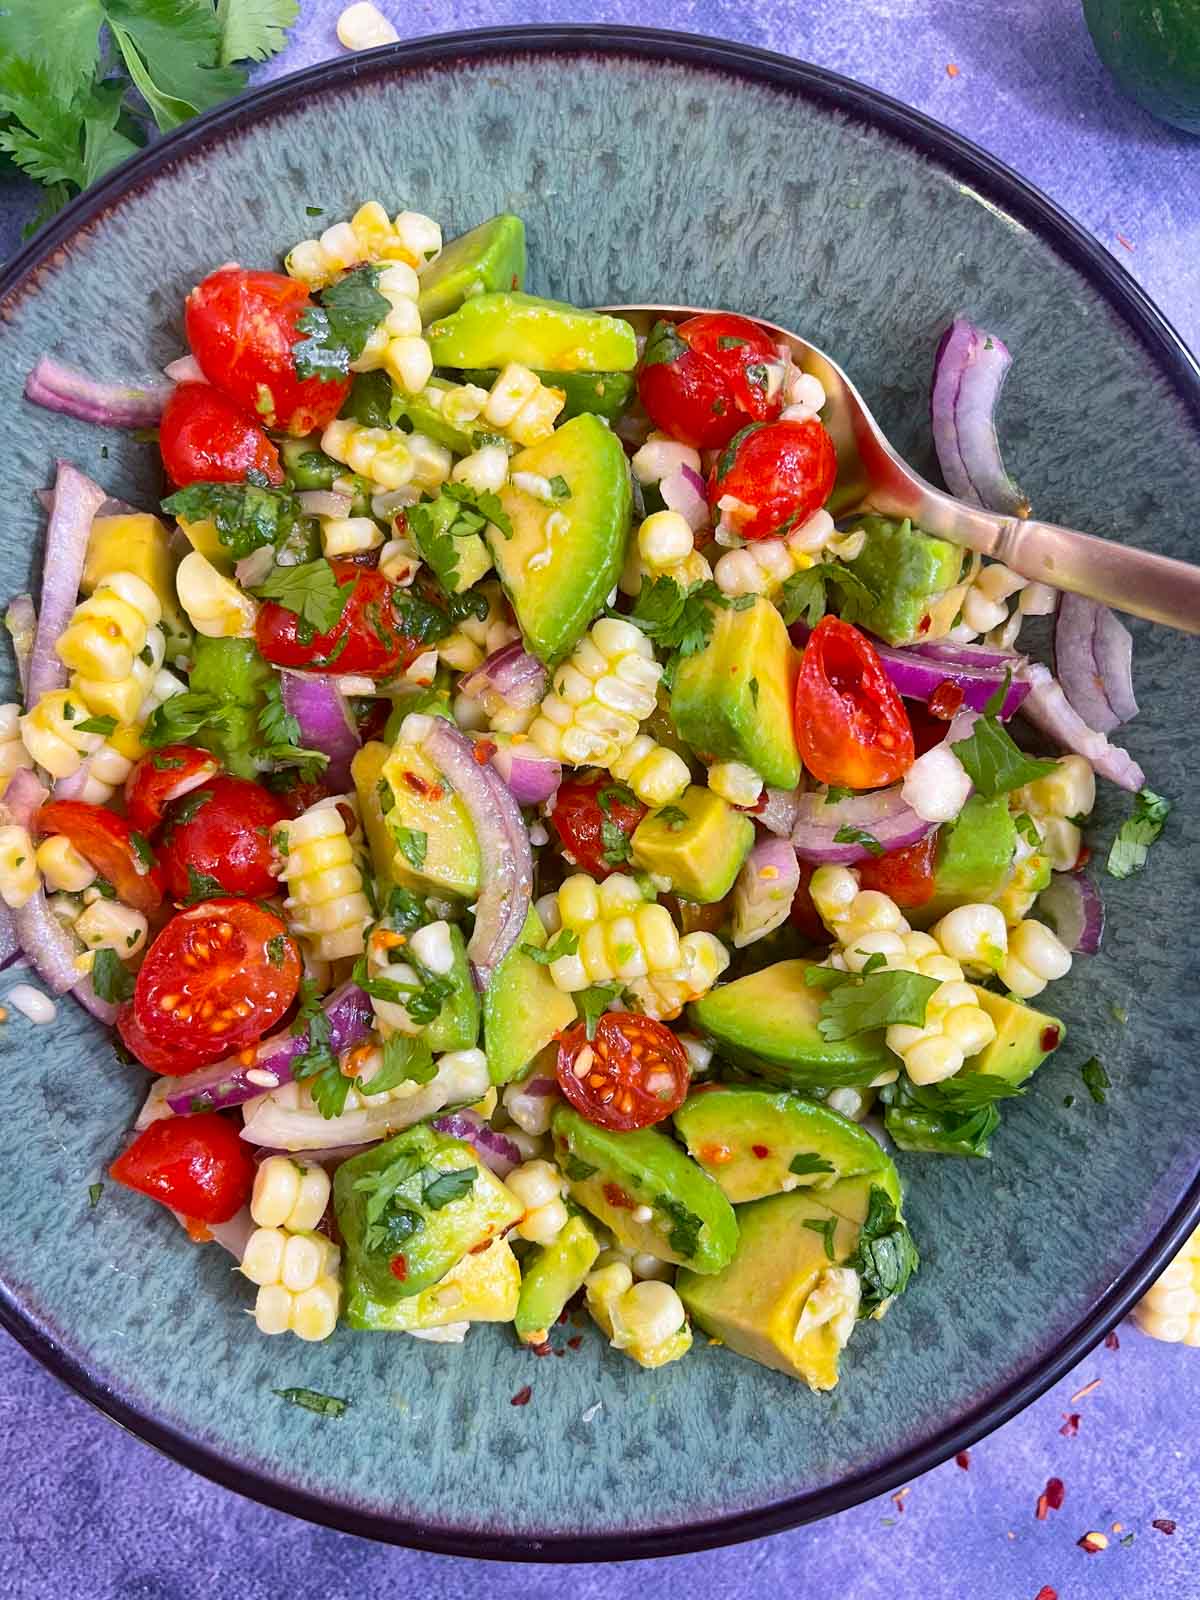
{"points": [[95, 1190], [564, 943], [575, 1170], [559, 487], [354, 308], [805, 1162], [806, 594], [448, 1187], [412, 844], [281, 733], [677, 619], [1096, 1080], [252, 30], [886, 1257], [828, 1231], [663, 345], [277, 949], [594, 1002], [1028, 829], [111, 978], [684, 1236], [142, 849], [817, 977], [404, 911], [674, 817], [993, 762], [202, 886], [311, 591], [729, 454], [1135, 835], [61, 40], [247, 516], [318, 1066], [325, 1405], [56, 140], [850, 835], [101, 725], [877, 1001], [617, 848], [405, 1060], [179, 719], [171, 49], [967, 1091]]}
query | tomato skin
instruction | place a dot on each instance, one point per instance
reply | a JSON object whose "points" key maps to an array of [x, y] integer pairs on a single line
{"points": [[208, 987], [110, 844], [578, 819], [222, 830], [784, 471], [851, 725], [242, 326], [205, 438], [629, 1052], [197, 1165], [162, 776], [907, 875], [704, 395], [150, 1055], [365, 653]]}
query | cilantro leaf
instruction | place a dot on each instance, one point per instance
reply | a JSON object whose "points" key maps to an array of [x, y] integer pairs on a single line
{"points": [[353, 307], [247, 516], [325, 1405], [806, 594], [181, 717], [1096, 1080], [447, 1187], [404, 911], [564, 943], [111, 978], [594, 1002], [277, 949], [805, 1162], [663, 345], [575, 1170], [991, 760], [886, 1257], [170, 49], [318, 1066], [617, 848], [967, 1091], [405, 1060], [101, 725], [311, 591], [412, 844], [877, 1001], [828, 1231], [252, 30], [674, 817], [281, 731], [847, 834], [560, 489], [684, 1235], [817, 977], [67, 139], [1137, 833], [677, 619], [95, 1190], [202, 886]]}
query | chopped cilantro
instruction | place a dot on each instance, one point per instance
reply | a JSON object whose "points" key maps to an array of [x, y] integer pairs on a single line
{"points": [[111, 978], [277, 949], [886, 1257], [202, 886], [575, 1170], [616, 844], [281, 733], [386, 798], [560, 489], [95, 1190], [101, 725], [325, 1405], [247, 516], [663, 346], [806, 594], [1028, 829], [405, 912], [727, 341], [180, 718], [447, 1187], [674, 817], [184, 810], [311, 591], [1135, 835], [834, 794], [564, 943], [753, 687], [828, 1231], [318, 1066], [412, 844], [1096, 1080], [805, 1162], [166, 763], [686, 1226], [594, 1002], [879, 1000], [141, 849], [847, 834], [405, 1060], [991, 760], [338, 328]]}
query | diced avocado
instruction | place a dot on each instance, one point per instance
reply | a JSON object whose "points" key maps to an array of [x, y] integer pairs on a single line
{"points": [[615, 1175], [411, 1207], [606, 394], [522, 1007], [431, 700], [490, 330], [367, 769], [490, 257], [609, 1297], [767, 1023], [734, 699], [1024, 1038], [433, 842], [558, 581], [757, 1142], [139, 543], [702, 855], [756, 1305], [233, 671], [456, 1026], [911, 573], [551, 1276], [482, 1287], [974, 858], [423, 412]]}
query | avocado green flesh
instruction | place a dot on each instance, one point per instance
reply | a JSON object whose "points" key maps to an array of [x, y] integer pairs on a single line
{"points": [[767, 1023], [908, 570], [605, 394], [522, 1007], [490, 330], [974, 858], [490, 257], [1024, 1038], [701, 855], [434, 847], [424, 417], [456, 1026], [612, 1175], [551, 1276]]}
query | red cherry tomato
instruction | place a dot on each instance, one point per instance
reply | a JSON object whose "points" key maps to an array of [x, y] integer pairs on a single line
{"points": [[242, 327], [162, 776], [221, 832], [594, 817], [906, 875], [219, 975], [804, 915], [371, 626], [928, 730], [782, 471], [143, 1049], [707, 377], [116, 850], [637, 1073], [296, 796], [197, 1165], [205, 438], [851, 725]]}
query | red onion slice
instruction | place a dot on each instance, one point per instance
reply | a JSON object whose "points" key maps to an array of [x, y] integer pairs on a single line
{"points": [[325, 723], [918, 679], [968, 373], [683, 491], [510, 672], [47, 945], [532, 775], [965, 655], [765, 888], [779, 811], [1048, 708], [1112, 644], [1093, 657], [883, 814], [21, 621], [255, 568], [113, 405], [24, 797], [495, 1150], [185, 369], [234, 1235], [1073, 905], [76, 501]]}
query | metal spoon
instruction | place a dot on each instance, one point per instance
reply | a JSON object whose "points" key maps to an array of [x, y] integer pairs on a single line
{"points": [[872, 477]]}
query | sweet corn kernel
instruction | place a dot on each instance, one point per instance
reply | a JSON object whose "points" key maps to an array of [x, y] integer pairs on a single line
{"points": [[1170, 1310], [975, 935], [215, 606], [599, 695], [1036, 956], [735, 782], [655, 774], [19, 876], [326, 903], [107, 924], [61, 865], [349, 536], [289, 1194]]}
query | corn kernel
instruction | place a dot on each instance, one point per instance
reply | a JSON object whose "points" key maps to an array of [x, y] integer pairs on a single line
{"points": [[62, 866]]}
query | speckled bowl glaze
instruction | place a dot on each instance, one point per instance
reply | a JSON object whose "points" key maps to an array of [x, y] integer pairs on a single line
{"points": [[647, 167]]}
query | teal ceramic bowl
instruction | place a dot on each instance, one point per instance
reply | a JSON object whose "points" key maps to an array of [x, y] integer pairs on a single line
{"points": [[647, 167]]}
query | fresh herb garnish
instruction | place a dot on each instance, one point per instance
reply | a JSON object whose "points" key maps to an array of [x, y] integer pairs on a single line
{"points": [[405, 1060], [339, 327], [847, 834], [1137, 833], [674, 817], [95, 1190], [141, 848], [878, 1000], [677, 619], [991, 760], [412, 844], [281, 735], [184, 809], [1028, 829], [684, 1235], [564, 943], [247, 516], [805, 1162], [575, 1170], [806, 594], [311, 591], [111, 978], [318, 1066], [753, 687], [325, 1405], [166, 763], [101, 725], [447, 1187], [202, 886], [886, 1257], [179, 719], [828, 1231], [834, 794], [277, 949], [560, 489], [617, 848], [405, 912], [594, 1002], [663, 345], [1096, 1080]]}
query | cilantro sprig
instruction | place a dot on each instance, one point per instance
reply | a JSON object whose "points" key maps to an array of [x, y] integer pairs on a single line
{"points": [[878, 999], [806, 594], [1137, 833], [310, 590], [338, 328], [247, 516], [991, 760]]}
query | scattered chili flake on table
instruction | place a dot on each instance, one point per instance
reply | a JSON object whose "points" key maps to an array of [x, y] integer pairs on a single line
{"points": [[1071, 1426], [1046, 1593], [522, 1397], [1128, 243], [963, 1460], [1112, 1342], [1088, 1388], [900, 1496], [951, 70], [1093, 1543], [1051, 1498], [574, 1341], [1163, 1524]]}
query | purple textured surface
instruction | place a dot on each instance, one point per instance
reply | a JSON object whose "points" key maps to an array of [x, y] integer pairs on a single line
{"points": [[95, 1515]]}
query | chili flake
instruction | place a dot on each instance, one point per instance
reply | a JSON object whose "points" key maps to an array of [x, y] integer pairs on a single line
{"points": [[1163, 1524], [1051, 1498], [1046, 1593], [522, 1397], [1093, 1543], [761, 1151], [963, 1460], [1071, 1426], [1112, 1342], [951, 70], [574, 1341]]}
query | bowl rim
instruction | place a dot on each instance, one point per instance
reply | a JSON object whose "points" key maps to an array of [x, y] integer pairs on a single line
{"points": [[1000, 185]]}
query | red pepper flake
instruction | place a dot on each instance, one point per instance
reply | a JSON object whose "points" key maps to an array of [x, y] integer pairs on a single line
{"points": [[1051, 1498], [485, 749], [1070, 1426], [398, 1267], [951, 70], [1050, 1038], [1112, 1342], [1093, 1543], [925, 623], [1082, 859], [542, 1349], [945, 700], [522, 1397], [1088, 1388], [560, 1352], [900, 1496], [760, 1150], [963, 1460], [574, 1341], [617, 1197], [562, 1315], [1128, 243], [422, 786], [1163, 1524], [1046, 1593]]}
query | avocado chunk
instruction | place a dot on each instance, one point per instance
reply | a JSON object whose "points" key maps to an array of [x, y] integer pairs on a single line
{"points": [[456, 1026], [767, 1023], [423, 412], [482, 1287], [522, 1007], [701, 855], [733, 700], [551, 1276], [617, 1175], [488, 258], [558, 575], [139, 543], [433, 844], [367, 769], [1024, 1038], [914, 575], [974, 858], [411, 1207], [757, 1142], [490, 330], [605, 394]]}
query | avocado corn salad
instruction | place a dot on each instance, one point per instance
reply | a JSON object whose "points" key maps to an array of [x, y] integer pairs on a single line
{"points": [[538, 850]]}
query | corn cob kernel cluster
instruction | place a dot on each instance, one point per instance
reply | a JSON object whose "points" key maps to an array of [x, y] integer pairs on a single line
{"points": [[646, 1320], [665, 547], [369, 236], [764, 566], [389, 457], [621, 934], [395, 344], [13, 754], [113, 646], [485, 470], [1053, 801], [430, 946], [702, 960], [985, 611], [609, 684], [19, 876], [518, 405], [655, 774], [51, 734], [326, 904], [295, 1268], [539, 1186], [1171, 1309], [215, 606], [108, 925]]}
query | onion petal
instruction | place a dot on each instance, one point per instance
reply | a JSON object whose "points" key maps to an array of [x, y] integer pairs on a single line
{"points": [[517, 679], [1093, 657], [1048, 708], [765, 888], [968, 373], [779, 811], [185, 369], [76, 501], [21, 621], [75, 394], [496, 1150], [882, 813], [1073, 904], [532, 775], [325, 723]]}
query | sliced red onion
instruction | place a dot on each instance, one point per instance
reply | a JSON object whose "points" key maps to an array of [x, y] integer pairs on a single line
{"points": [[330, 1155], [765, 888], [532, 775], [324, 503], [234, 1235], [975, 656], [968, 372], [255, 568], [1073, 904], [506, 859], [541, 1086], [48, 946], [1084, 633], [24, 797], [883, 814], [1048, 708], [113, 405], [518, 678], [10, 945], [495, 1150], [76, 501], [780, 809], [185, 369], [21, 621], [918, 678], [233, 1081], [320, 708], [683, 491], [1113, 646]]}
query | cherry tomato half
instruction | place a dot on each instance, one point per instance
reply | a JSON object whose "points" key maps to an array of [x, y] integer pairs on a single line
{"points": [[703, 379], [371, 626], [594, 818], [242, 327], [781, 471], [218, 976], [162, 776], [116, 850], [905, 875], [151, 1055], [636, 1074], [197, 1165], [851, 725], [205, 438], [222, 833]]}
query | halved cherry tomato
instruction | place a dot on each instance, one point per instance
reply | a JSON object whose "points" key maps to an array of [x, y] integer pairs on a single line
{"points": [[218, 976], [635, 1075], [705, 378], [197, 1165], [205, 438], [294, 795], [594, 818], [851, 725], [905, 875], [162, 776], [242, 327], [145, 1050], [782, 472], [221, 832], [371, 625], [116, 850], [804, 914]]}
